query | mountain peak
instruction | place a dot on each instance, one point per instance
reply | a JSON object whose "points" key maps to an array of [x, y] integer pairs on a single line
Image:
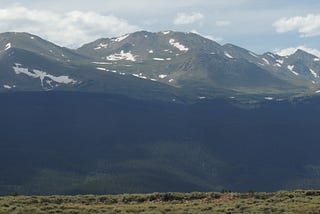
{"points": [[300, 52], [185, 61], [293, 50], [16, 36]]}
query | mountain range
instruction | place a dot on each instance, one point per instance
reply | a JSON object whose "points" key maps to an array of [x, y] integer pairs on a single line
{"points": [[165, 65], [155, 112]]}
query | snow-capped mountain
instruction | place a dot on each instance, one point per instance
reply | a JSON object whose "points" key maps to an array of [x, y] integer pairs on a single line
{"points": [[174, 64], [135, 114]]}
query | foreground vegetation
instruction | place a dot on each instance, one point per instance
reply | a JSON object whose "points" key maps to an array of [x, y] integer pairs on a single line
{"points": [[278, 202]]}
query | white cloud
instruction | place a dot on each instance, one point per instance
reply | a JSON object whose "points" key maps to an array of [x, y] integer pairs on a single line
{"points": [[213, 38], [292, 50], [307, 26], [69, 29], [184, 18], [222, 23]]}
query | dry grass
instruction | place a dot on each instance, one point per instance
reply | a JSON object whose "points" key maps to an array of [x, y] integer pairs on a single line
{"points": [[278, 202]]}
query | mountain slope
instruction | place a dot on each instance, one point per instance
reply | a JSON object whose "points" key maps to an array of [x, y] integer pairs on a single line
{"points": [[24, 67], [35, 44], [148, 112], [188, 60], [81, 143], [183, 66]]}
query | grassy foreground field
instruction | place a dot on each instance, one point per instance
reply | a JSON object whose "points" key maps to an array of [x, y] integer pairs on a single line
{"points": [[279, 202]]}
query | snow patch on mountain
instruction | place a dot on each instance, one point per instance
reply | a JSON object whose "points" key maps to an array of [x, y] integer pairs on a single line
{"points": [[112, 71], [271, 55], [228, 55], [314, 73], [121, 56], [103, 63], [8, 86], [266, 61], [290, 68], [151, 51], [158, 59], [316, 59], [8, 46], [102, 69], [119, 39], [165, 32], [178, 45], [278, 65], [34, 73], [162, 76], [268, 98], [140, 75], [280, 61], [101, 45]]}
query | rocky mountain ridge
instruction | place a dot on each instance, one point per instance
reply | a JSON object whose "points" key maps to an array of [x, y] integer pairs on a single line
{"points": [[176, 64]]}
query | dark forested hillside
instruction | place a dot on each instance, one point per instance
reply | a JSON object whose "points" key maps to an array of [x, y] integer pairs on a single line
{"points": [[70, 143]]}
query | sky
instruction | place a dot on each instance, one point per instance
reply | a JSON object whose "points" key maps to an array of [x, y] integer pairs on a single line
{"points": [[258, 25]]}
